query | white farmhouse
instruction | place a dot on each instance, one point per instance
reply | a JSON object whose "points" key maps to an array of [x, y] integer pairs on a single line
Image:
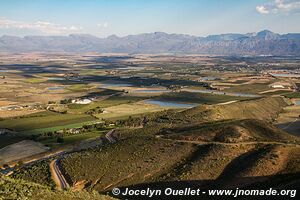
{"points": [[82, 101]]}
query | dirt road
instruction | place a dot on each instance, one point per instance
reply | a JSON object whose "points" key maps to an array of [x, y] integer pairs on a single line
{"points": [[57, 176]]}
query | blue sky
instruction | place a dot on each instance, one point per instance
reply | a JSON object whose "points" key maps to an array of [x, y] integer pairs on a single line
{"points": [[124, 17]]}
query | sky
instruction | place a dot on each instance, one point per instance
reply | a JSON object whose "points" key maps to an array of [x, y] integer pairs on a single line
{"points": [[127, 17]]}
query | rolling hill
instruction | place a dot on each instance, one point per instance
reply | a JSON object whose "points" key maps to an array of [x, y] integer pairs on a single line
{"points": [[266, 109], [193, 148], [223, 153], [228, 131]]}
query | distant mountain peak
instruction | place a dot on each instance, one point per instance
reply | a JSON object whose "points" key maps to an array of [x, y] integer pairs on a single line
{"points": [[266, 31], [267, 35], [82, 35], [261, 43], [160, 33], [113, 36]]}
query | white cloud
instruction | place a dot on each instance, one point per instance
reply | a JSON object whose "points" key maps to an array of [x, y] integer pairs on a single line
{"points": [[103, 25], [279, 6], [262, 10], [42, 26]]}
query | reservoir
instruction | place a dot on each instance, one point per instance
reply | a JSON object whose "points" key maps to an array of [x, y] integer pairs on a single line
{"points": [[56, 88], [170, 104], [151, 91], [108, 85]]}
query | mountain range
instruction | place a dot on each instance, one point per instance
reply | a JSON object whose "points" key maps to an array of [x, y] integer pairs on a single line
{"points": [[261, 43]]}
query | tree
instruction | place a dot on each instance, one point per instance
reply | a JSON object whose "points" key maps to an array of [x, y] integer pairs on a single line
{"points": [[6, 166], [60, 140]]}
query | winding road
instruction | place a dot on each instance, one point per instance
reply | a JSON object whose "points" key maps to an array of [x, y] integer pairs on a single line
{"points": [[109, 136], [57, 175]]}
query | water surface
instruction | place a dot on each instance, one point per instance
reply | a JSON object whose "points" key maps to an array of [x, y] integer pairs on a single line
{"points": [[170, 104], [152, 91], [56, 88], [56, 79], [297, 102], [106, 85], [285, 75]]}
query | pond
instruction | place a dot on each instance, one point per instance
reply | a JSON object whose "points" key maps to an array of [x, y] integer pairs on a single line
{"points": [[152, 91], [170, 104], [297, 102], [56, 79], [208, 78], [56, 88], [285, 75], [243, 94], [107, 85]]}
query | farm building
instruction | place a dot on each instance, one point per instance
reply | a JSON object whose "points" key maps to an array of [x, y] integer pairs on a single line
{"points": [[82, 101], [281, 85]]}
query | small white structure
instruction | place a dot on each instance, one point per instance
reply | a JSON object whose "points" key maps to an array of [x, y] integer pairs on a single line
{"points": [[82, 101], [4, 131], [74, 130], [277, 86], [282, 85]]}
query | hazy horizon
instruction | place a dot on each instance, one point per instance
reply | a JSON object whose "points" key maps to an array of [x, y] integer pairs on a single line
{"points": [[149, 33], [103, 18]]}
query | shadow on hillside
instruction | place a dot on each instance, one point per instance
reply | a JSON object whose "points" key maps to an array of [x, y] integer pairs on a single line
{"points": [[291, 128], [140, 81], [28, 70]]}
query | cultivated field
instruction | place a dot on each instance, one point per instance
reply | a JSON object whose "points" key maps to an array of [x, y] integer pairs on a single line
{"points": [[20, 150]]}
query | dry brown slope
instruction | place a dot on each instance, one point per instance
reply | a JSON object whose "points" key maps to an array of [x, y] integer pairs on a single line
{"points": [[228, 131], [262, 109]]}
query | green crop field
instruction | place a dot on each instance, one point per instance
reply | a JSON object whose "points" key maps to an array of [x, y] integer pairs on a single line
{"points": [[279, 92], [56, 128], [35, 80], [125, 110], [249, 88], [71, 139], [111, 101], [78, 87], [292, 95], [7, 140], [49, 120]]}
